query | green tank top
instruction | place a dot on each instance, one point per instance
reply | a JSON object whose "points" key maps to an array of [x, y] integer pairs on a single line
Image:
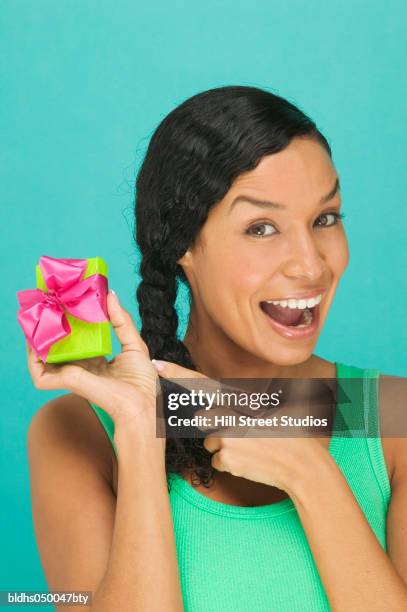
{"points": [[257, 559]]}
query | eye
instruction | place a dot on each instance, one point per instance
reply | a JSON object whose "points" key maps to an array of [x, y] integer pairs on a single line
{"points": [[325, 219], [261, 229]]}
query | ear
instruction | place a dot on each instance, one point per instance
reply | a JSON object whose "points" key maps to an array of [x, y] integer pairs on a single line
{"points": [[185, 260]]}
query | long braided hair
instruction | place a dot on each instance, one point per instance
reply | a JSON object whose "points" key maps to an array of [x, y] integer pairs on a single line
{"points": [[193, 157]]}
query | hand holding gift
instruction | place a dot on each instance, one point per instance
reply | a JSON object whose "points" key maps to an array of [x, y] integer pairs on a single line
{"points": [[124, 387]]}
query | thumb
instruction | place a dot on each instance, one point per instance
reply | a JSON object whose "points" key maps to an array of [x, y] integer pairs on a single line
{"points": [[124, 326]]}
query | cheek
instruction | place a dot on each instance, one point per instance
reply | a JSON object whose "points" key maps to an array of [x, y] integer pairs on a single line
{"points": [[338, 254], [333, 250], [243, 271], [229, 278]]}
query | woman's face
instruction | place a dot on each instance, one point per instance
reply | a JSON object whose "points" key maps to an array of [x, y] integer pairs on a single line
{"points": [[248, 254]]}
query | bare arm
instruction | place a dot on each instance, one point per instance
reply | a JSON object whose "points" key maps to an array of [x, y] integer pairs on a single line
{"points": [[356, 572], [72, 502], [124, 552], [142, 573]]}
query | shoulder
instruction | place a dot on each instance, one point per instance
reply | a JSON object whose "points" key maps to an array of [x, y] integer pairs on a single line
{"points": [[393, 419], [392, 409], [393, 424], [66, 427]]}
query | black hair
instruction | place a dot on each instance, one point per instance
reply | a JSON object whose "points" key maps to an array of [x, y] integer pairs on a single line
{"points": [[192, 159]]}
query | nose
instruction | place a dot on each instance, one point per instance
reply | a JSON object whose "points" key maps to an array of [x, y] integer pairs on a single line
{"points": [[306, 259]]}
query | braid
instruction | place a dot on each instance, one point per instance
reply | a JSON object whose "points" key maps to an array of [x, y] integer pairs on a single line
{"points": [[156, 296]]}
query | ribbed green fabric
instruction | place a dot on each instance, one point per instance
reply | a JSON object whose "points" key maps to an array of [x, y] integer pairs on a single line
{"points": [[257, 559]]}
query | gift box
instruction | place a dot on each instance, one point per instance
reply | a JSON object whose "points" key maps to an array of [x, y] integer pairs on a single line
{"points": [[66, 317]]}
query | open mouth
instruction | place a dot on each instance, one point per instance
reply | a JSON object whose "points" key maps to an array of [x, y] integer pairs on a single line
{"points": [[290, 317], [293, 318]]}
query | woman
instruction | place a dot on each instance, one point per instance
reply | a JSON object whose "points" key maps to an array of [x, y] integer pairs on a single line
{"points": [[237, 197]]}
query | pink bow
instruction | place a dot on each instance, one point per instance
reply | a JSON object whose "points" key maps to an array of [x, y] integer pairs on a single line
{"points": [[41, 315]]}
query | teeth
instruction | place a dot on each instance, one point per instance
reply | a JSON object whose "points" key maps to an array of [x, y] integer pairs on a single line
{"points": [[301, 304], [307, 319]]}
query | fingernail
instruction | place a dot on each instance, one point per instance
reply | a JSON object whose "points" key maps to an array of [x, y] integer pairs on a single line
{"points": [[113, 292], [159, 365]]}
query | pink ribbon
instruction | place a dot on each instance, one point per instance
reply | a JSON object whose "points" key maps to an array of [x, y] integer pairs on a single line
{"points": [[42, 314]]}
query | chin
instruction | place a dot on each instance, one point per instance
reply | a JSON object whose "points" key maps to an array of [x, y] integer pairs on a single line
{"points": [[290, 357], [280, 355]]}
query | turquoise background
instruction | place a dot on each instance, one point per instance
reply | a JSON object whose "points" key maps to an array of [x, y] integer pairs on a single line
{"points": [[84, 84]]}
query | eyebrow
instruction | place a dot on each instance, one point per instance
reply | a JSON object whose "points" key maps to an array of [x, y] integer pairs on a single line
{"points": [[276, 205]]}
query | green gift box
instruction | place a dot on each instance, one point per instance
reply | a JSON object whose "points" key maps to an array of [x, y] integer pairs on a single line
{"points": [[86, 339]]}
